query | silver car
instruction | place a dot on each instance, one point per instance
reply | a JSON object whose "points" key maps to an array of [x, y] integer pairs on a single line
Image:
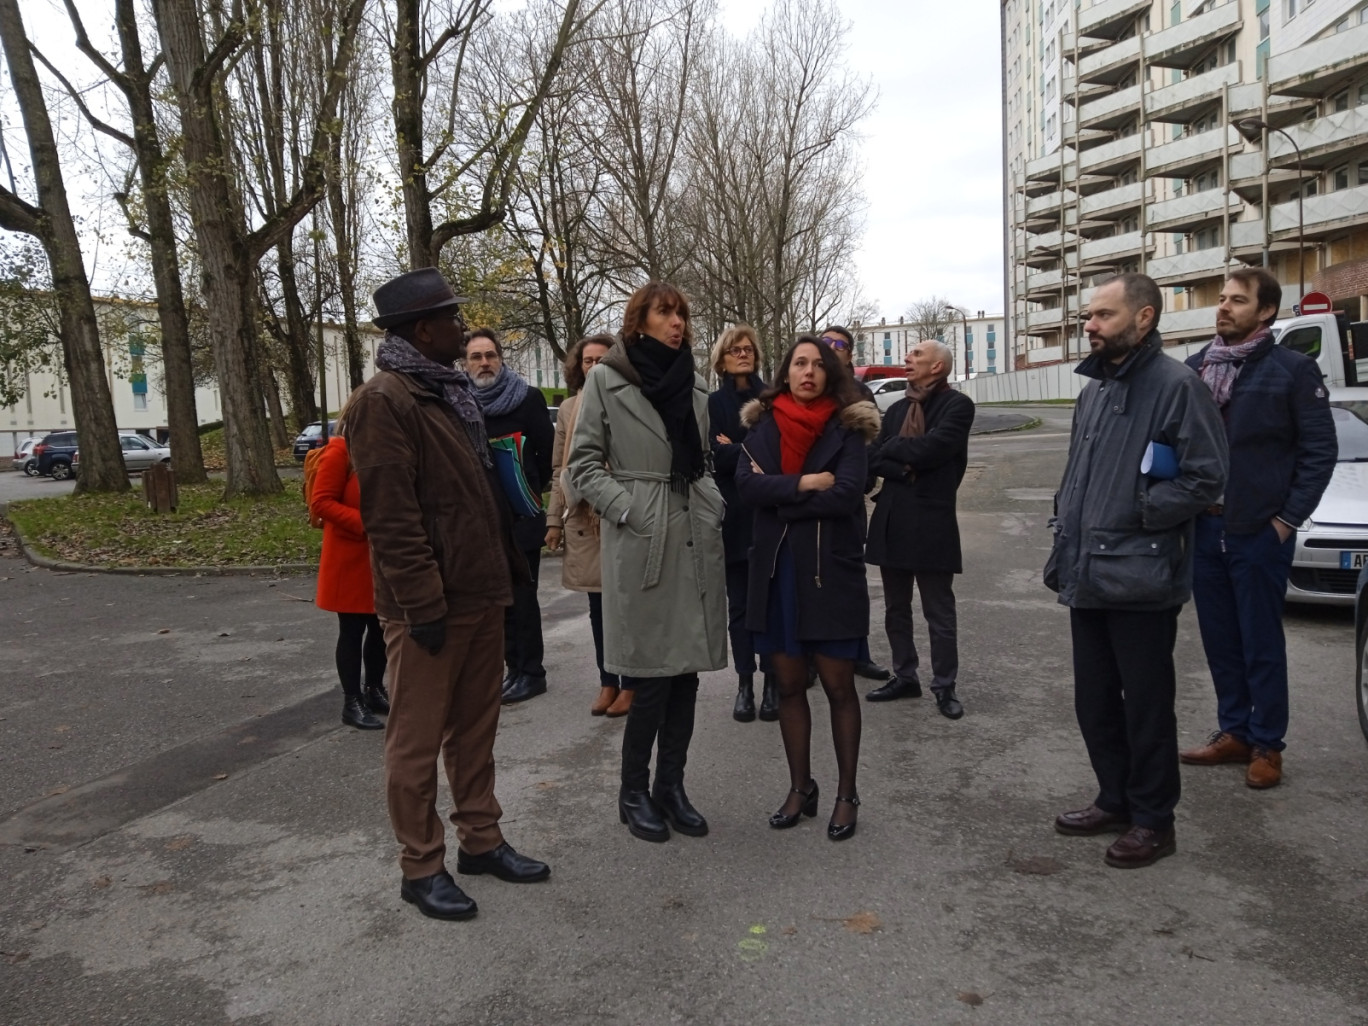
{"points": [[141, 452], [887, 391], [24, 459], [1332, 547]]}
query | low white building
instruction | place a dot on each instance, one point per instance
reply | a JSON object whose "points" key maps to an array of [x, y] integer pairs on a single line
{"points": [[974, 341]]}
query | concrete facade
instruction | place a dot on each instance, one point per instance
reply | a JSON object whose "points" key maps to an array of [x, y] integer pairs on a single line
{"points": [[976, 341]]}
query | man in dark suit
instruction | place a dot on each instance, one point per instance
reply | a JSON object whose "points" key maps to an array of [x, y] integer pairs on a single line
{"points": [[921, 453]]}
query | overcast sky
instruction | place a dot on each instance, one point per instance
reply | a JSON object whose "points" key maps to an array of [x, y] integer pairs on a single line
{"points": [[932, 148]]}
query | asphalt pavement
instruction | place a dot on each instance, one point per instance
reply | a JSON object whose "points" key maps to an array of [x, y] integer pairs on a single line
{"points": [[189, 835]]}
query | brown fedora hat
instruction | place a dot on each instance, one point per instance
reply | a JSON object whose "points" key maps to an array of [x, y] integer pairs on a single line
{"points": [[413, 296]]}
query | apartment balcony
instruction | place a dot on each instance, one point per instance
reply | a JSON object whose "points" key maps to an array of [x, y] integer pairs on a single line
{"points": [[1050, 242], [1193, 211], [1110, 64], [1188, 268], [1323, 142], [1048, 205], [1109, 19], [1177, 325], [1322, 215], [1318, 68], [1043, 284], [1111, 110], [1192, 97], [1111, 204], [1181, 45], [1046, 169], [1247, 238], [1111, 250], [1109, 158], [1180, 158], [1247, 101], [1049, 320]]}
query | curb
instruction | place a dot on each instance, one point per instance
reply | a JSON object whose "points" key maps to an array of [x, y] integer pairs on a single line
{"points": [[1034, 422]]}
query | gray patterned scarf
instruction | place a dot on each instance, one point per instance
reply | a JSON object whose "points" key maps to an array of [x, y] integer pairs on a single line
{"points": [[1218, 366], [398, 355], [502, 396]]}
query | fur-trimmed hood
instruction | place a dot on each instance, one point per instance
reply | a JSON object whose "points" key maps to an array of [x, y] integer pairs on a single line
{"points": [[862, 417]]}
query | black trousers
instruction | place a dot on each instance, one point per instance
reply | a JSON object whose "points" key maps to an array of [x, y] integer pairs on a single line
{"points": [[938, 607], [606, 679], [523, 648], [360, 640], [1124, 687], [662, 716], [742, 641]]}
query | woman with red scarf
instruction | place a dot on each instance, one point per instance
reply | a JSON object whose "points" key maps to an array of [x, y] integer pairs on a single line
{"points": [[803, 472]]}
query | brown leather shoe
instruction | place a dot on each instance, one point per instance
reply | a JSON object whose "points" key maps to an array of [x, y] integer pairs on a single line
{"points": [[1265, 769], [1140, 846], [1219, 748], [622, 705], [606, 697], [1090, 821]]}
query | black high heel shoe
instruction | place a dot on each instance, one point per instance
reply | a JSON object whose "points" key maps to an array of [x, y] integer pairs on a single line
{"points": [[847, 831], [780, 821]]}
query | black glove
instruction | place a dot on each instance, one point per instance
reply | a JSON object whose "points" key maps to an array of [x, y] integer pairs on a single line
{"points": [[429, 636]]}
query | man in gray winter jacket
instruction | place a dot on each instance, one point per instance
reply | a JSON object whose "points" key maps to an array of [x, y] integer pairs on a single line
{"points": [[1122, 562]]}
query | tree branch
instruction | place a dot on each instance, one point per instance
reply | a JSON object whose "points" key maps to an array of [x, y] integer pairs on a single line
{"points": [[18, 216], [95, 123], [84, 44]]}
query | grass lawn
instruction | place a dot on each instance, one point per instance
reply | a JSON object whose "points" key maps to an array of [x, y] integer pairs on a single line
{"points": [[119, 530]]}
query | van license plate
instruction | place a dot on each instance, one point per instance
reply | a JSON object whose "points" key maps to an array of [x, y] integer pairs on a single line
{"points": [[1353, 560]]}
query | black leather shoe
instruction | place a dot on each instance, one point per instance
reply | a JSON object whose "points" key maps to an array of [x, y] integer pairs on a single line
{"points": [[377, 700], [769, 700], [642, 815], [780, 821], [355, 714], [525, 687], [674, 803], [897, 687], [1090, 822], [438, 897], [845, 831], [744, 709], [947, 703], [870, 670], [503, 862]]}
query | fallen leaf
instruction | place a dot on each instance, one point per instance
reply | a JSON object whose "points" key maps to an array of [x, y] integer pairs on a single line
{"points": [[220, 776], [160, 887], [225, 634], [672, 902], [101, 882], [1192, 954], [62, 728], [970, 998], [248, 739], [789, 931], [545, 785], [862, 922], [1035, 865], [181, 843], [60, 789], [14, 957], [164, 630]]}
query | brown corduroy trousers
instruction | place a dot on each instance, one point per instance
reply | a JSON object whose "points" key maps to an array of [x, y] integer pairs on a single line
{"points": [[445, 705]]}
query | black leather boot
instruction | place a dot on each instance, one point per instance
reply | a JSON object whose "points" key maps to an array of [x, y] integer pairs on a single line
{"points": [[769, 700], [377, 699], [675, 804], [744, 709], [642, 815], [355, 714]]}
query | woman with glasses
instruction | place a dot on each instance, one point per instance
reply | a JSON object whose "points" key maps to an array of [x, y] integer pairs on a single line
{"points": [[735, 360], [575, 526], [804, 476]]}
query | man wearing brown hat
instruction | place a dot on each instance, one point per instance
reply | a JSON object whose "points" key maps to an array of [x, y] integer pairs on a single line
{"points": [[443, 561]]}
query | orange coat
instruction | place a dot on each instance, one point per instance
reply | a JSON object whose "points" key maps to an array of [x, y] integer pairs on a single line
{"points": [[344, 572]]}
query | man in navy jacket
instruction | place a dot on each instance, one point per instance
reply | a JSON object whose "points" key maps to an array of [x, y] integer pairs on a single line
{"points": [[1282, 453]]}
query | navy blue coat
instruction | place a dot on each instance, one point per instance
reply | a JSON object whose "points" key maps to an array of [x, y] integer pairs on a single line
{"points": [[724, 418], [1281, 436], [825, 530]]}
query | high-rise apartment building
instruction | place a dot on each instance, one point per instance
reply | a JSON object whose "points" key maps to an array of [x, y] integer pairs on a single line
{"points": [[1180, 138]]}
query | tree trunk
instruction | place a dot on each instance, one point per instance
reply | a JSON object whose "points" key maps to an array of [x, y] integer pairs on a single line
{"points": [[346, 272], [299, 349], [102, 465], [406, 64], [225, 260], [280, 433]]}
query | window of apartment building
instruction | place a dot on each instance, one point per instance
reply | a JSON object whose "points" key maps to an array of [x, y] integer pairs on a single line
{"points": [[1049, 51], [1363, 172], [1338, 102], [1050, 125], [1291, 9], [1261, 51], [1050, 89], [1207, 238], [992, 335], [1339, 178]]}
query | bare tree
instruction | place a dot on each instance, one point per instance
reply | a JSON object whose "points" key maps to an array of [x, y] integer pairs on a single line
{"points": [[931, 317], [51, 223]]}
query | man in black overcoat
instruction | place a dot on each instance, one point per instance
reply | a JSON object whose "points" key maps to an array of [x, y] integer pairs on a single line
{"points": [[921, 454]]}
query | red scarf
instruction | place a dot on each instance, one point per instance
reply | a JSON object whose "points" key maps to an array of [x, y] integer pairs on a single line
{"points": [[799, 428]]}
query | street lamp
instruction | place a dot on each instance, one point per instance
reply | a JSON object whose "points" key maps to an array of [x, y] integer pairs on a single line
{"points": [[1252, 129], [952, 311]]}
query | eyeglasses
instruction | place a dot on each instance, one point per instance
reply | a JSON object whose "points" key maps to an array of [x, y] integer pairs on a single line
{"points": [[836, 342], [741, 351]]}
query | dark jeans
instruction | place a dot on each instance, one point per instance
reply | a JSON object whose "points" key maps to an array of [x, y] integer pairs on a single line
{"points": [[938, 607], [662, 711], [606, 679], [360, 640], [522, 624], [1124, 687], [1238, 585], [742, 641]]}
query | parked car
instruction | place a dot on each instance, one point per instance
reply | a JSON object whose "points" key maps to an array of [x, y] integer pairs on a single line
{"points": [[24, 459], [1361, 651], [887, 391], [554, 411], [53, 454], [139, 453], [1332, 547], [311, 438]]}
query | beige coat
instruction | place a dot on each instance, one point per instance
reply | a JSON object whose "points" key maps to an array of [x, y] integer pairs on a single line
{"points": [[580, 567], [664, 579]]}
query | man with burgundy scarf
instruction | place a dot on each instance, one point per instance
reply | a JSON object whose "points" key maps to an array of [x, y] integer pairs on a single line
{"points": [[1282, 453], [921, 453]]}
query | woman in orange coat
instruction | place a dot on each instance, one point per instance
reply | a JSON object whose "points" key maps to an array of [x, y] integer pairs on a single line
{"points": [[344, 587]]}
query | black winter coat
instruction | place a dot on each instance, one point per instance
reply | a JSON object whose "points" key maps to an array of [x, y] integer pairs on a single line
{"points": [[825, 530], [724, 418], [914, 526], [539, 438], [1282, 439]]}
